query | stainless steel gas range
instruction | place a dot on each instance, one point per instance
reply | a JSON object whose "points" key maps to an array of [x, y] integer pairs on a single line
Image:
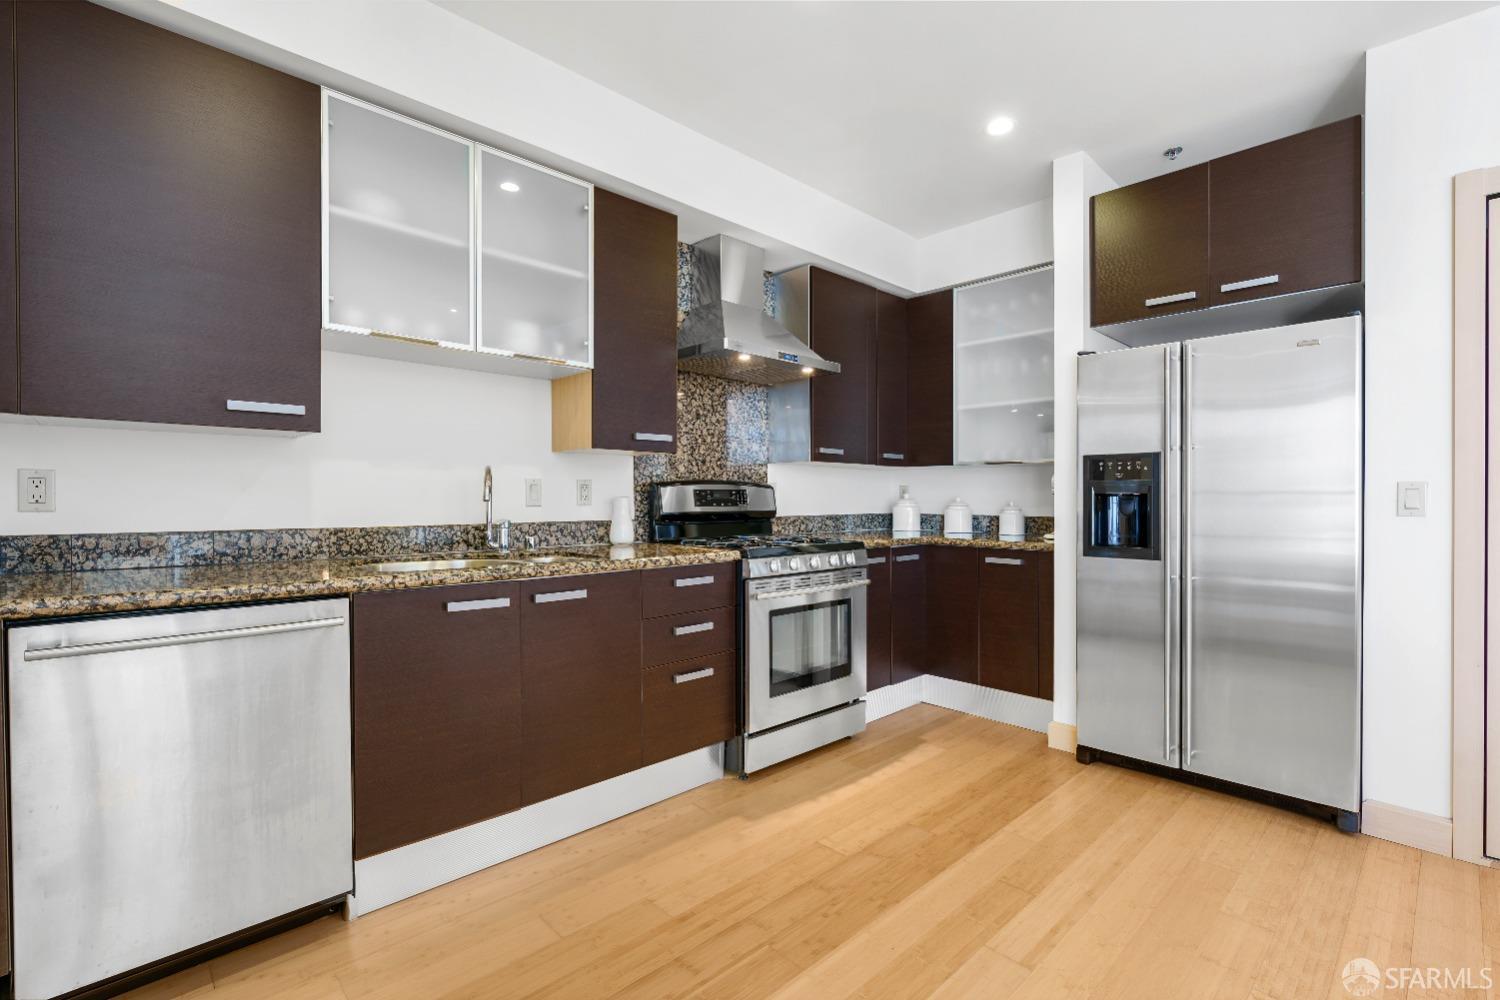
{"points": [[802, 619]]}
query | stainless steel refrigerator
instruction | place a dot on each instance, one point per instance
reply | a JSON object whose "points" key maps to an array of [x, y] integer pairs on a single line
{"points": [[1218, 619]]}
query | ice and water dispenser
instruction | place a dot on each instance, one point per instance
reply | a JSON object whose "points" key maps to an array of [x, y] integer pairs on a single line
{"points": [[1123, 504]]}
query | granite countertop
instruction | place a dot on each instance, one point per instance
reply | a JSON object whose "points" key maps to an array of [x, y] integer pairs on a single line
{"points": [[884, 540], [42, 595]]}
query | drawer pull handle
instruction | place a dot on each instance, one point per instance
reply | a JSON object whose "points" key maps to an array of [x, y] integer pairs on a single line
{"points": [[830, 451], [875, 561], [1001, 561], [693, 629], [1166, 300], [1235, 286], [693, 675], [692, 581], [561, 595], [480, 605], [648, 436], [185, 639], [250, 406], [894, 456], [910, 558]]}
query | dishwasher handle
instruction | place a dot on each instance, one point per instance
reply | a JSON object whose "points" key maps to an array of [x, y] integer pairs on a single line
{"points": [[189, 638]]}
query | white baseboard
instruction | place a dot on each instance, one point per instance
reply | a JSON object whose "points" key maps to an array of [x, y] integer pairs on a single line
{"points": [[893, 698], [987, 703], [404, 872], [1421, 830]]}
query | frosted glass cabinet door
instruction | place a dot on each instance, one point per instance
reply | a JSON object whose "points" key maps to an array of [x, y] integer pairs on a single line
{"points": [[399, 224], [534, 260]]}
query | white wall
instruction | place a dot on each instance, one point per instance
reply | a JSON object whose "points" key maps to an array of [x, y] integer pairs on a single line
{"points": [[401, 444], [1009, 241], [813, 488], [1075, 179], [1430, 113]]}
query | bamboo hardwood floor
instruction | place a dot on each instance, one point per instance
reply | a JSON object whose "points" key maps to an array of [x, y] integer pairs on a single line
{"points": [[937, 855]]}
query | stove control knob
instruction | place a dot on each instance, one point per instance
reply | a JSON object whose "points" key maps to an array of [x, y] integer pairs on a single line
{"points": [[774, 566], [839, 560], [794, 564], [814, 562]]}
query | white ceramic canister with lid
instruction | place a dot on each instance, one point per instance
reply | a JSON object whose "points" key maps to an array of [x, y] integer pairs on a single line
{"points": [[1012, 523], [906, 517], [958, 520]]}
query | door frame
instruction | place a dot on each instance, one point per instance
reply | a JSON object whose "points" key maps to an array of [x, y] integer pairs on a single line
{"points": [[1474, 275]]}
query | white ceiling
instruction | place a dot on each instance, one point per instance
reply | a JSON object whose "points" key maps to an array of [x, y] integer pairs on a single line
{"points": [[883, 105]]}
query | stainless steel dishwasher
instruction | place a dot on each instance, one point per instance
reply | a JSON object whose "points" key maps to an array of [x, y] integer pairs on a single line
{"points": [[174, 778]]}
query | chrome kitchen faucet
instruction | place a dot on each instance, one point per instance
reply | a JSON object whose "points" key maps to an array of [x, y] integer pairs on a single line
{"points": [[496, 536]]}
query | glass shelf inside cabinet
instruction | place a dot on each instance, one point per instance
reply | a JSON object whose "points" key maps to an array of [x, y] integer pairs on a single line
{"points": [[398, 218], [534, 261], [1003, 370]]}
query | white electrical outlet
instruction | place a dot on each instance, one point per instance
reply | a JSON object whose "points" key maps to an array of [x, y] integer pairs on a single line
{"points": [[533, 492], [585, 493], [36, 490]]}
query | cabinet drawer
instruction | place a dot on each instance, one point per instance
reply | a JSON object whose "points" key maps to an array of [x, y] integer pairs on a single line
{"points": [[687, 588], [688, 704], [694, 633]]}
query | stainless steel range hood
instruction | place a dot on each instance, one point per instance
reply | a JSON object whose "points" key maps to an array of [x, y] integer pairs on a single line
{"points": [[726, 332]]}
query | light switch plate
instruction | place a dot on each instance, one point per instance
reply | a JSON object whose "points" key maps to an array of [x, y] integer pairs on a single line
{"points": [[585, 492], [1411, 499], [36, 490], [533, 492]]}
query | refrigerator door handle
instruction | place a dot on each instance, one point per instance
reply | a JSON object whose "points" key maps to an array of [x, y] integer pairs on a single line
{"points": [[1186, 536], [1169, 579]]}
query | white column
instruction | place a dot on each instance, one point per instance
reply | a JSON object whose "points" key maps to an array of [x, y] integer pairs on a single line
{"points": [[1075, 178]]}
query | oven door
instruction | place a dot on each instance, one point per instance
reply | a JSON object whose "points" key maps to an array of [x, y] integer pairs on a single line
{"points": [[806, 646]]}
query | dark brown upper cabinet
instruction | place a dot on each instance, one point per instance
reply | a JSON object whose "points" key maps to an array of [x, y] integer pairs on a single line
{"points": [[1150, 247], [1278, 218], [929, 379], [169, 227], [892, 437], [842, 318], [953, 612], [629, 401], [437, 724], [1285, 216], [9, 359]]}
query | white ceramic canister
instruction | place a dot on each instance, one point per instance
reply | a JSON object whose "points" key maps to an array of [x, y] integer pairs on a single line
{"points": [[906, 517], [958, 520], [1012, 523], [622, 521]]}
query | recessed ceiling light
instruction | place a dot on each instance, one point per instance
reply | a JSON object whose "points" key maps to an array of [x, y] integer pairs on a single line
{"points": [[452, 309], [1000, 126], [1015, 409], [510, 186], [744, 357], [806, 370]]}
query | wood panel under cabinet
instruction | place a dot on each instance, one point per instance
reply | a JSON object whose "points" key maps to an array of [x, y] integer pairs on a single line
{"points": [[688, 588], [629, 401], [908, 613], [892, 438], [929, 379], [688, 634], [169, 226], [580, 681], [437, 726], [1008, 622], [1044, 625], [1288, 210], [842, 328], [1150, 247], [953, 612], [878, 622], [688, 705], [9, 348]]}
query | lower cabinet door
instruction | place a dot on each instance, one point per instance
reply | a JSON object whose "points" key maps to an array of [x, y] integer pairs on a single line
{"points": [[688, 705], [1044, 625], [437, 687], [580, 681], [1008, 633], [952, 612], [908, 613], [878, 623]]}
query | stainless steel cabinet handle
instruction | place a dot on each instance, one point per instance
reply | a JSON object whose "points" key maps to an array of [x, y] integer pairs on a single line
{"points": [[875, 561], [560, 595], [647, 436], [911, 558], [693, 675], [159, 641], [1166, 300], [894, 456], [774, 595], [249, 406], [1002, 561], [693, 629], [480, 605], [692, 581], [830, 451], [1235, 286]]}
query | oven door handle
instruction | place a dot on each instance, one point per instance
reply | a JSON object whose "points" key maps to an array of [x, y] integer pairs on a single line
{"points": [[773, 595]]}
